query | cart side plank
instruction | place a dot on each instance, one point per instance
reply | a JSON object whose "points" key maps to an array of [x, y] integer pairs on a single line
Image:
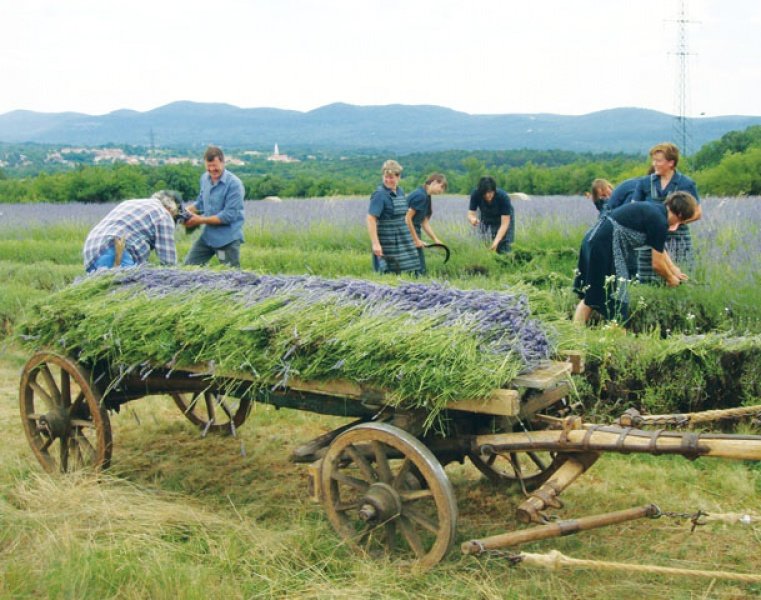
{"points": [[501, 402], [545, 376]]}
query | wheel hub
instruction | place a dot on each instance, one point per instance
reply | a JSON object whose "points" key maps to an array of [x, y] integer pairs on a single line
{"points": [[380, 503], [55, 423]]}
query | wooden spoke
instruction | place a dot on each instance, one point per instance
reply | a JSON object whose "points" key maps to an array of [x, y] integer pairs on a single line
{"points": [[63, 453], [211, 408], [411, 535], [361, 462], [65, 389], [55, 393], [381, 461], [420, 519], [344, 506], [43, 394], [88, 447], [399, 478], [390, 535], [357, 484], [537, 461], [515, 464], [77, 404], [413, 495]]}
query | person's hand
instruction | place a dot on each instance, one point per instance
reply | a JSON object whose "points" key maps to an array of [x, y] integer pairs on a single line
{"points": [[420, 243], [193, 221], [377, 250], [473, 221], [493, 247], [437, 241], [673, 281]]}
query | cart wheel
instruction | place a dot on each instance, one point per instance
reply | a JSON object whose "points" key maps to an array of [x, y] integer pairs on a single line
{"points": [[386, 494], [63, 416], [533, 467], [212, 411]]}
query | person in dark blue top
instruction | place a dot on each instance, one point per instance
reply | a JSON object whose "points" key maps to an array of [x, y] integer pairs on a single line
{"points": [[602, 278], [492, 212], [655, 188], [420, 211], [622, 193]]}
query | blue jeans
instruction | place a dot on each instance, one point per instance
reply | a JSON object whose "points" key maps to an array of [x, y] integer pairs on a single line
{"points": [[200, 253], [106, 260]]}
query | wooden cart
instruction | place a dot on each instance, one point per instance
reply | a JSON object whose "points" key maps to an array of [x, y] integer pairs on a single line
{"points": [[381, 479]]}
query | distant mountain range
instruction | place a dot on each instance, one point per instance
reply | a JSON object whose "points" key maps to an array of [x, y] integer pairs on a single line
{"points": [[395, 127]]}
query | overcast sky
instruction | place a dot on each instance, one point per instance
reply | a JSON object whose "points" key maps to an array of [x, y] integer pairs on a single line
{"points": [[476, 56]]}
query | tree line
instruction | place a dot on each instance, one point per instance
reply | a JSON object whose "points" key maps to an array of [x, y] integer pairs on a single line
{"points": [[728, 166]]}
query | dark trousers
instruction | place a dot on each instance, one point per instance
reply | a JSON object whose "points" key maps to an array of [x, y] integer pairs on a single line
{"points": [[201, 253]]}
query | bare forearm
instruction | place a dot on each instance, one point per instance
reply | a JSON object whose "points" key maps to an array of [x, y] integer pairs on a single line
{"points": [[429, 231]]}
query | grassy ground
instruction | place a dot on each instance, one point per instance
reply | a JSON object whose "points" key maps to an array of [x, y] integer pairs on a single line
{"points": [[181, 516]]}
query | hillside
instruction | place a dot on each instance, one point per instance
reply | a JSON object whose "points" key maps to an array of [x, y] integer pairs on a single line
{"points": [[400, 128]]}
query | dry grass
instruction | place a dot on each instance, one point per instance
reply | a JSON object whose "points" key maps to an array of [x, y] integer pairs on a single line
{"points": [[184, 517]]}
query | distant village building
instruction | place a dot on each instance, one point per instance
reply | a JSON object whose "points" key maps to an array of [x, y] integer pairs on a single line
{"points": [[277, 157]]}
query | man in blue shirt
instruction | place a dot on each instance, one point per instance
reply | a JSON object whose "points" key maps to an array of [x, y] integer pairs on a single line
{"points": [[126, 235], [219, 208]]}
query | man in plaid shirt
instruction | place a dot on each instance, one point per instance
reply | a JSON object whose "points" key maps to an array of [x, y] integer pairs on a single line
{"points": [[126, 235]]}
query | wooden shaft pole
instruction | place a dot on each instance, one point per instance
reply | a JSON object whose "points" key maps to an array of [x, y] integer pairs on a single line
{"points": [[558, 529], [620, 439]]}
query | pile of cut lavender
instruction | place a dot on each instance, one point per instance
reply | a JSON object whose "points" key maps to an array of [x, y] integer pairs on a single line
{"points": [[426, 344]]}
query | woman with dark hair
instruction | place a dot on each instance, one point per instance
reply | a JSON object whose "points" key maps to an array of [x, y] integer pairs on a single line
{"points": [[602, 278], [495, 216], [420, 211], [393, 248], [665, 180]]}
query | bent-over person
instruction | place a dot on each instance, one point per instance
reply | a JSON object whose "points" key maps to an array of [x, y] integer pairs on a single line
{"points": [[127, 234], [602, 278]]}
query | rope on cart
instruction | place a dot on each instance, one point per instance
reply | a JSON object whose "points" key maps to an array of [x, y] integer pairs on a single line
{"points": [[684, 419], [556, 559]]}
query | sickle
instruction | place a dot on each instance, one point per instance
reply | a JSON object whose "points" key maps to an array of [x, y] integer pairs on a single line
{"points": [[443, 246]]}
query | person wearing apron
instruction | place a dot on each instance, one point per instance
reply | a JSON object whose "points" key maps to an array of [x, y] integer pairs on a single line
{"points": [[602, 277], [420, 211], [393, 248], [492, 212], [665, 180]]}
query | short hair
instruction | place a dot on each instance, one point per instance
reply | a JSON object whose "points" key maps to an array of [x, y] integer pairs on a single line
{"points": [[391, 166], [213, 152], [599, 186], [682, 204], [486, 184], [170, 199], [669, 150], [438, 178]]}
